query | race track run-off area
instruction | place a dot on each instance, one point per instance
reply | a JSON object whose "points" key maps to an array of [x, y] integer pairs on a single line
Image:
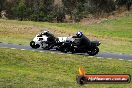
{"points": [[107, 55]]}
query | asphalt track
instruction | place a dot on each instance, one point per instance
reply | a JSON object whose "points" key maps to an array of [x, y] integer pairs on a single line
{"points": [[108, 55]]}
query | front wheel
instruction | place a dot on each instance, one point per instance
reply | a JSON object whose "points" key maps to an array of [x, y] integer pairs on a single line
{"points": [[93, 51], [32, 44]]}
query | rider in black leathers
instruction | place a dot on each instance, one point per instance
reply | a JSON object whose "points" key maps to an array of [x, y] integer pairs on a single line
{"points": [[84, 42]]}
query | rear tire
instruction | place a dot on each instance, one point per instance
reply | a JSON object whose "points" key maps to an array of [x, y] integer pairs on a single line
{"points": [[93, 51]]}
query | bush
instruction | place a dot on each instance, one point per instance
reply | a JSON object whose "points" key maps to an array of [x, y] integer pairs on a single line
{"points": [[98, 6], [128, 3]]}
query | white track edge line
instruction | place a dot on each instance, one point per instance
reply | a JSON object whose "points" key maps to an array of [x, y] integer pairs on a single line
{"points": [[13, 48], [129, 60], [121, 59], [23, 49]]}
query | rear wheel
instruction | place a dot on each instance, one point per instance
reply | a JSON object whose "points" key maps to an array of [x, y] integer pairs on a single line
{"points": [[93, 51]]}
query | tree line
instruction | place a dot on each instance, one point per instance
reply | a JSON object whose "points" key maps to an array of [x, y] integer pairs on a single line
{"points": [[50, 10]]}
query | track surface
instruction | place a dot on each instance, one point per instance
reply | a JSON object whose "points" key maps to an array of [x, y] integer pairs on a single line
{"points": [[100, 55]]}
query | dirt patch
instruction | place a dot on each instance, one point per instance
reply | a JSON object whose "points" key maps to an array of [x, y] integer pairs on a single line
{"points": [[114, 15]]}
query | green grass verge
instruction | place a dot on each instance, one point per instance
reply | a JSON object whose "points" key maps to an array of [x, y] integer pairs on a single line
{"points": [[27, 69], [115, 35]]}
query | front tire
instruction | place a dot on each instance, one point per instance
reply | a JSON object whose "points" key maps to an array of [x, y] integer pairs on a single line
{"points": [[93, 51], [32, 44]]}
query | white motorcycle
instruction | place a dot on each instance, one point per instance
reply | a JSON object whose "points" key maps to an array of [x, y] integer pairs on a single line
{"points": [[46, 40]]}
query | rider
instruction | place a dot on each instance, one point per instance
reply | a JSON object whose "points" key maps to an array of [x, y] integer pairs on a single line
{"points": [[50, 40], [84, 42]]}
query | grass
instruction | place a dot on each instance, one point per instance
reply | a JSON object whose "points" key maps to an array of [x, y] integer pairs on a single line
{"points": [[115, 35], [27, 69]]}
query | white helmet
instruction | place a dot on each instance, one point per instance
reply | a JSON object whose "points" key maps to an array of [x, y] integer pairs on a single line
{"points": [[44, 32]]}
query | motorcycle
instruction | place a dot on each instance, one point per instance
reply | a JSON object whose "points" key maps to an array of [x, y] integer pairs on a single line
{"points": [[45, 42], [72, 46]]}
